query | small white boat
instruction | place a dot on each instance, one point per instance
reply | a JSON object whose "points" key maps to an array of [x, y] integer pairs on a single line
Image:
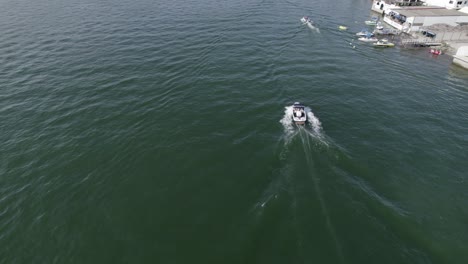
{"points": [[368, 39], [306, 19], [383, 43], [386, 31], [364, 33], [435, 51], [379, 26], [372, 22], [299, 115]]}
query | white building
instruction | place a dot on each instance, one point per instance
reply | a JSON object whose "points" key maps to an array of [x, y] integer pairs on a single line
{"points": [[461, 58], [450, 4], [464, 10], [412, 19], [382, 5]]}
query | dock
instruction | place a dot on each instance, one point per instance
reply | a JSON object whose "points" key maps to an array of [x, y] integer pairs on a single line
{"points": [[419, 43]]}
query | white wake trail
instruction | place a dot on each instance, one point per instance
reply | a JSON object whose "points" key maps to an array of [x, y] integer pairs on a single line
{"points": [[313, 28]]}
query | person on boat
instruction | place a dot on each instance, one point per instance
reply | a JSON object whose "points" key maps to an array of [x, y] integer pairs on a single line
{"points": [[296, 112]]}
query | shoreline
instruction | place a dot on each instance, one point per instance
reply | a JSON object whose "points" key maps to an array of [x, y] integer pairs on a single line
{"points": [[450, 47]]}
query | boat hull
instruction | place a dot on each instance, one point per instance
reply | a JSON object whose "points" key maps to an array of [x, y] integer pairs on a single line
{"points": [[368, 39], [383, 43], [385, 46]]}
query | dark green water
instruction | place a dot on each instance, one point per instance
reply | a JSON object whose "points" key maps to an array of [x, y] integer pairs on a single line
{"points": [[154, 132]]}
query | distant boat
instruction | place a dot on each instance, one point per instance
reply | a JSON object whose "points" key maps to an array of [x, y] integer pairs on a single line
{"points": [[386, 31], [383, 43], [372, 22], [435, 51], [368, 39], [340, 27], [306, 19], [379, 26], [364, 33]]}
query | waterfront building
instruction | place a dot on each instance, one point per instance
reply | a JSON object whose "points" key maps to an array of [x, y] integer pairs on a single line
{"points": [[381, 6], [414, 19], [450, 4]]}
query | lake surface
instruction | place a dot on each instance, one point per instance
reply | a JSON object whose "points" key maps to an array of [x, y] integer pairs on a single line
{"points": [[158, 132]]}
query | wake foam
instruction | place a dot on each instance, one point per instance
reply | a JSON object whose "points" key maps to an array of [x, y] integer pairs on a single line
{"points": [[313, 28]]}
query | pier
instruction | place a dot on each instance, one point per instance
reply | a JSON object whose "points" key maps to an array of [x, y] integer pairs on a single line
{"points": [[419, 43]]}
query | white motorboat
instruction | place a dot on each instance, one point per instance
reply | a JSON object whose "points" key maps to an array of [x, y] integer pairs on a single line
{"points": [[387, 31], [383, 43], [435, 51], [299, 115], [364, 33], [368, 39], [372, 22], [379, 26], [306, 19]]}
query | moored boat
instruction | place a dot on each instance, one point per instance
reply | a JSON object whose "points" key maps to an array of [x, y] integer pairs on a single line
{"points": [[364, 33], [379, 26], [368, 39], [435, 51], [383, 43], [372, 22], [387, 31]]}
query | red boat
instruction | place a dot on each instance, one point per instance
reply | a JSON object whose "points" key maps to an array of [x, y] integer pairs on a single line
{"points": [[435, 51]]}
